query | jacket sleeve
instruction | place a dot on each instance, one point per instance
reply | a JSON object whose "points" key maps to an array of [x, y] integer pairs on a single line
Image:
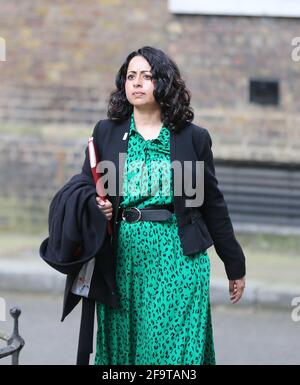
{"points": [[216, 216]]}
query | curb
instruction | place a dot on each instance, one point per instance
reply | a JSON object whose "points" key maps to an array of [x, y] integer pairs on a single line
{"points": [[38, 277], [31, 277], [256, 294]]}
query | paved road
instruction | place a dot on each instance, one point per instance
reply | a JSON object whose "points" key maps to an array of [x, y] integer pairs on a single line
{"points": [[242, 335]]}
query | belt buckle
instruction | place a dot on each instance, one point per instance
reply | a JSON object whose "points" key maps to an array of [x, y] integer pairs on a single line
{"points": [[133, 210]]}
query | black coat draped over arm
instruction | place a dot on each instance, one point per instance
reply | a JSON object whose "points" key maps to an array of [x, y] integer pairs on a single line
{"points": [[77, 228]]}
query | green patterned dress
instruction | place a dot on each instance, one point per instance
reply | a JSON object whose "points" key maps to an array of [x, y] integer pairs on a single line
{"points": [[164, 316]]}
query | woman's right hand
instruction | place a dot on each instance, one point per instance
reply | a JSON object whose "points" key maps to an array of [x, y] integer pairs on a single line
{"points": [[105, 207]]}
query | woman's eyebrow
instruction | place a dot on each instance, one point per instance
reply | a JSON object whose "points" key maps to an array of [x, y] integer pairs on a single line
{"points": [[141, 71]]}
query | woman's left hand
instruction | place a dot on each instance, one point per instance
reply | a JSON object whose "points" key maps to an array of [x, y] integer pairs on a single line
{"points": [[236, 289]]}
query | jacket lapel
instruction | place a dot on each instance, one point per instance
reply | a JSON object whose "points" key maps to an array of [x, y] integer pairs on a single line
{"points": [[177, 153], [120, 136]]}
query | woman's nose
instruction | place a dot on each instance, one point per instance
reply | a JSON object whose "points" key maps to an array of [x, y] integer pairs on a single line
{"points": [[137, 81]]}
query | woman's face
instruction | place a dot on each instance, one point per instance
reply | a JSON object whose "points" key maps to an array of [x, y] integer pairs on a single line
{"points": [[139, 85]]}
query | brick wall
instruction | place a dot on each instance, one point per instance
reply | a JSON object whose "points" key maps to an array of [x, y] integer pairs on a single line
{"points": [[62, 58], [32, 169]]}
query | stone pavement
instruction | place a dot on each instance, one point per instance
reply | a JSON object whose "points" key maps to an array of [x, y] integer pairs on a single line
{"points": [[242, 335], [273, 280]]}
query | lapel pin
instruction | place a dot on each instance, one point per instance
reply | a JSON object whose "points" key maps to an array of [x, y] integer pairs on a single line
{"points": [[125, 136]]}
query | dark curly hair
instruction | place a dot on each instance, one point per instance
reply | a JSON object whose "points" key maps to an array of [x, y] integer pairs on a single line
{"points": [[170, 91]]}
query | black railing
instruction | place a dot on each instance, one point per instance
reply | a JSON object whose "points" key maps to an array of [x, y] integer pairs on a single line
{"points": [[14, 342]]}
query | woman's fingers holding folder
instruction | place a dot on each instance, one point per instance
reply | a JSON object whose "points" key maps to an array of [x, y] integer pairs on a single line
{"points": [[105, 207]]}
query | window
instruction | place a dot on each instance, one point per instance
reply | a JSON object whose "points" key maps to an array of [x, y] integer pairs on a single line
{"points": [[273, 8], [265, 92]]}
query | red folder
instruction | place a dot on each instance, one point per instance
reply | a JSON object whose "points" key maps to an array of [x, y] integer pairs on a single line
{"points": [[82, 284], [94, 160]]}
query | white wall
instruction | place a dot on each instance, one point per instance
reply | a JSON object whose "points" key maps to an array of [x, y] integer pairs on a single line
{"points": [[274, 8]]}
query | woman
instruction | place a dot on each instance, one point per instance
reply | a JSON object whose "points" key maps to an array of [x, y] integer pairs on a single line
{"points": [[162, 266]]}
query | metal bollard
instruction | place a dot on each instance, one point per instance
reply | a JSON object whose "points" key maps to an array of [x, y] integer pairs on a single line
{"points": [[15, 342]]}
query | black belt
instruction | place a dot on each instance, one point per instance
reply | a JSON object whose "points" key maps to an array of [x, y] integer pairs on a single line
{"points": [[150, 213]]}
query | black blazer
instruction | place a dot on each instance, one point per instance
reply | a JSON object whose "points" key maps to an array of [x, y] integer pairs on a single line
{"points": [[198, 227]]}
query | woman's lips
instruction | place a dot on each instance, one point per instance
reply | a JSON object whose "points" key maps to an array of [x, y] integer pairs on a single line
{"points": [[138, 94]]}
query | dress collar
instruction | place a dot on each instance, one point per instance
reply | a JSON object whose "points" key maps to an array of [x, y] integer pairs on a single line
{"points": [[163, 137]]}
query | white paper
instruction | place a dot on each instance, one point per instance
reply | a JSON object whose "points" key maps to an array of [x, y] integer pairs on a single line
{"points": [[82, 283]]}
